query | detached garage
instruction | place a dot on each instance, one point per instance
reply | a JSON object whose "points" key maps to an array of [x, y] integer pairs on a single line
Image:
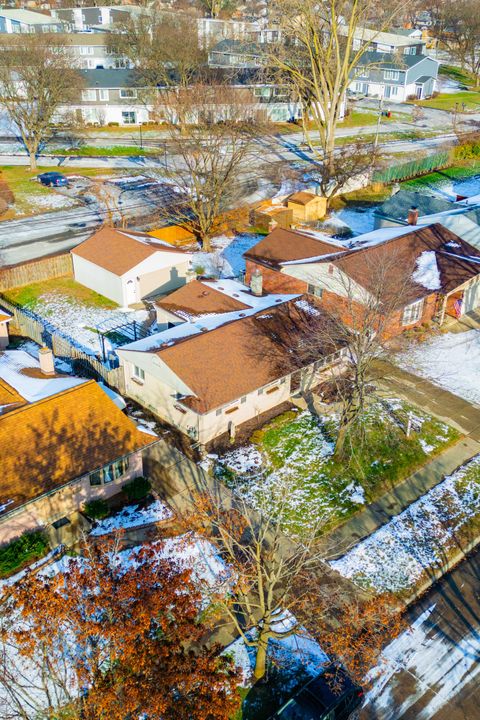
{"points": [[127, 266]]}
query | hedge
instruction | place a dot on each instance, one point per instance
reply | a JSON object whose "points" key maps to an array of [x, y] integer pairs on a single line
{"points": [[22, 551]]}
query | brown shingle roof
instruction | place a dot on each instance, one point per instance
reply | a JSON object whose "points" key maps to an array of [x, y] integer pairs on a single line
{"points": [[399, 255], [62, 438], [237, 358], [195, 298], [286, 245], [117, 252]]}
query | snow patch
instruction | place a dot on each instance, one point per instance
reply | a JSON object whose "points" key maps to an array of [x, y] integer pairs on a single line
{"points": [[132, 516], [426, 272]]}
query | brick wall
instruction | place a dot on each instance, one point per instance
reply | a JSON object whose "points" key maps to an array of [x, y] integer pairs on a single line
{"points": [[277, 282], [274, 281]]}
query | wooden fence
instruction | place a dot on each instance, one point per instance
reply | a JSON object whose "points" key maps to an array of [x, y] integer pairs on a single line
{"points": [[32, 327], [46, 268]]}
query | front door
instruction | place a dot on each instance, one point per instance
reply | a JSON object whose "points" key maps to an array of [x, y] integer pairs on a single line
{"points": [[131, 294], [419, 92], [388, 91], [471, 296]]}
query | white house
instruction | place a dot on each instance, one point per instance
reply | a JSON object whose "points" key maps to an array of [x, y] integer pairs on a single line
{"points": [[127, 266], [395, 78], [214, 372]]}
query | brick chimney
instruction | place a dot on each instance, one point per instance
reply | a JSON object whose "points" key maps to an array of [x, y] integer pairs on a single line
{"points": [[412, 218], [45, 356], [256, 283]]}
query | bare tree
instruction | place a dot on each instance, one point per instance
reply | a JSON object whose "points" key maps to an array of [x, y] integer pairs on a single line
{"points": [[215, 8], [36, 77], [318, 56], [163, 47], [277, 585], [210, 136], [458, 26]]}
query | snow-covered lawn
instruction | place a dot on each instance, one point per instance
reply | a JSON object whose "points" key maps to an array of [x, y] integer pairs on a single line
{"points": [[80, 322], [226, 260], [132, 516], [451, 360], [398, 555], [359, 219], [292, 458]]}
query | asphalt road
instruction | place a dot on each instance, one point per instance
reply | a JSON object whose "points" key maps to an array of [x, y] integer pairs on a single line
{"points": [[432, 671]]}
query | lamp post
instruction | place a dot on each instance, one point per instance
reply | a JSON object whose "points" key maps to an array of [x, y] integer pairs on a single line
{"points": [[141, 136], [379, 119]]}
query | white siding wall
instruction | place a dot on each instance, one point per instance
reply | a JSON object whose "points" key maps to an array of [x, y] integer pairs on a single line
{"points": [[98, 279]]}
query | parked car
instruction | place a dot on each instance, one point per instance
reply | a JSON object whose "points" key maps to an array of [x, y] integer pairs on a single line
{"points": [[53, 179], [317, 700]]}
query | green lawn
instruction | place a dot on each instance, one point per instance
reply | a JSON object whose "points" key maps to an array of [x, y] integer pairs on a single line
{"points": [[456, 172], [293, 454], [113, 151], [466, 100], [456, 73], [29, 295]]}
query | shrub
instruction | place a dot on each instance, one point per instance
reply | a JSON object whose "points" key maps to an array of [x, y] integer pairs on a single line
{"points": [[199, 270], [22, 551], [113, 124], [137, 489], [96, 509]]}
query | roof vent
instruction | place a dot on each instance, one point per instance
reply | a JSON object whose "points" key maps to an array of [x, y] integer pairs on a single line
{"points": [[204, 329], [241, 315], [235, 295], [278, 300], [164, 344]]}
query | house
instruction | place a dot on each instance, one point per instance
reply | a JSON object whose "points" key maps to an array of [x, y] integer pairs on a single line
{"points": [[306, 206], [224, 299], [126, 266], [238, 54], [98, 17], [395, 78], [208, 377], [394, 211], [462, 217], [90, 50], [27, 21], [111, 96], [389, 42], [4, 320], [71, 445], [430, 271]]}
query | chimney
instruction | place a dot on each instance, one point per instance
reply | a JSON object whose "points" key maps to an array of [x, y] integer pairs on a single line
{"points": [[412, 215], [256, 283], [45, 356]]}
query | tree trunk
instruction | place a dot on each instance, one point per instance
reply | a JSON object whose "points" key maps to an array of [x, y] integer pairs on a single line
{"points": [[261, 658], [33, 160], [206, 243]]}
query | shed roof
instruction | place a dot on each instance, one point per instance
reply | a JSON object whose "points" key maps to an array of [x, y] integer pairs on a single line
{"points": [[302, 197], [282, 246], [398, 205]]}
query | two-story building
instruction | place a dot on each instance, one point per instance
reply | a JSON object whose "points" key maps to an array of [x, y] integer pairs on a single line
{"points": [[14, 21], [395, 78]]}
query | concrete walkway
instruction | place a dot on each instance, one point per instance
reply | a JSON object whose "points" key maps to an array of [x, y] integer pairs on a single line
{"points": [[440, 403]]}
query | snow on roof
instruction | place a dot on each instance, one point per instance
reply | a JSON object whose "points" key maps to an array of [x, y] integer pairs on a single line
{"points": [[382, 234], [426, 272], [114, 396], [209, 322], [316, 258], [22, 372]]}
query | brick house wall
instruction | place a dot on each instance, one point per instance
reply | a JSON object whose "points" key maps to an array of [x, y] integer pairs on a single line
{"points": [[278, 282]]}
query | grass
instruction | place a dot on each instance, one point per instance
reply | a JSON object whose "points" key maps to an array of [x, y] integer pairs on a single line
{"points": [[296, 455], [29, 295], [29, 194], [114, 151], [466, 100], [456, 73], [456, 172], [22, 551]]}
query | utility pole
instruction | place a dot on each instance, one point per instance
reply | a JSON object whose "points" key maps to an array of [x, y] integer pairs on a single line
{"points": [[379, 119], [141, 137]]}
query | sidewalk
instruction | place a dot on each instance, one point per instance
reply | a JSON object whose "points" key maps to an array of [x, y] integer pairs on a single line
{"points": [[447, 407]]}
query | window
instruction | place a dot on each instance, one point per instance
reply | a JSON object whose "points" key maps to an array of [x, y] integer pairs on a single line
{"points": [[89, 95], [315, 290], [394, 90], [86, 50], [129, 118], [243, 399], [391, 74], [61, 522], [260, 392], [218, 412], [109, 473], [412, 313], [138, 373], [128, 93], [120, 63], [103, 94]]}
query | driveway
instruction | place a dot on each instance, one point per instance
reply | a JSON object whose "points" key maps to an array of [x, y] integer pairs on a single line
{"points": [[431, 672]]}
